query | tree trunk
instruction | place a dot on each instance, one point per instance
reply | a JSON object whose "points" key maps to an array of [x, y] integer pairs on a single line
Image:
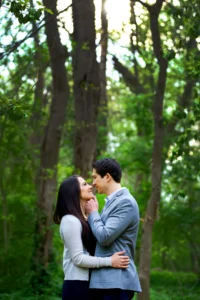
{"points": [[194, 252], [102, 137], [50, 144], [86, 84], [37, 122], [150, 216], [6, 234], [195, 257], [36, 118], [5, 217]]}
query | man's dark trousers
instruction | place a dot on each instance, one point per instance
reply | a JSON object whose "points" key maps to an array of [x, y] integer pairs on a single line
{"points": [[111, 294]]}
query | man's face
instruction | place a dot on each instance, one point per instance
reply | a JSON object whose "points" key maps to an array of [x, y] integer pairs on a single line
{"points": [[99, 182]]}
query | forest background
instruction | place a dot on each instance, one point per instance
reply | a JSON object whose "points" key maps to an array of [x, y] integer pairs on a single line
{"points": [[87, 79]]}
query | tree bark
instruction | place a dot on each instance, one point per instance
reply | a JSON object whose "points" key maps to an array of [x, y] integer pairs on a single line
{"points": [[6, 233], [130, 79], [103, 109], [194, 252], [5, 217], [156, 173], [51, 143], [195, 257], [37, 122], [86, 84]]}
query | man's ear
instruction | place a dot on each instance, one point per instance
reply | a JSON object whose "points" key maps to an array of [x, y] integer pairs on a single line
{"points": [[108, 177]]}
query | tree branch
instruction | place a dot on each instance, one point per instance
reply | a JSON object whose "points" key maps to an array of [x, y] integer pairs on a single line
{"points": [[144, 4], [130, 79], [32, 33], [154, 11]]}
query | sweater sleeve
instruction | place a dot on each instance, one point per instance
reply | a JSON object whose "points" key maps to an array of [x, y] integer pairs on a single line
{"points": [[71, 230]]}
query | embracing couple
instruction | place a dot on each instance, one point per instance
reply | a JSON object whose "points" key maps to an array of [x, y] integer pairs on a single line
{"points": [[99, 249]]}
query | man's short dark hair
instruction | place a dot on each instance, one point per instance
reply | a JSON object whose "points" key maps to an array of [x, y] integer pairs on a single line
{"points": [[108, 165]]}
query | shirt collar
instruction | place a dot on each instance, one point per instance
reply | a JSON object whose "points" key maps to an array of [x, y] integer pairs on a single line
{"points": [[108, 198]]}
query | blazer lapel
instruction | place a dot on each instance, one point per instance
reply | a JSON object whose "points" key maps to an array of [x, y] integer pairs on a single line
{"points": [[118, 194]]}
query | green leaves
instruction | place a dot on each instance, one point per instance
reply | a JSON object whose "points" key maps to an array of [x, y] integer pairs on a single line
{"points": [[169, 55], [181, 194], [24, 13], [12, 110], [85, 46], [16, 113]]}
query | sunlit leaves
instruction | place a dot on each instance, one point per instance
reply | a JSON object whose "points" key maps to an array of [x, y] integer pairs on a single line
{"points": [[24, 12]]}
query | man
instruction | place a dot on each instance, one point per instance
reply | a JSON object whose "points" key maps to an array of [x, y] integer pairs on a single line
{"points": [[115, 230]]}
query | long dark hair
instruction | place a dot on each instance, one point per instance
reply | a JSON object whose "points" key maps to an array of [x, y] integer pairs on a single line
{"points": [[68, 202]]}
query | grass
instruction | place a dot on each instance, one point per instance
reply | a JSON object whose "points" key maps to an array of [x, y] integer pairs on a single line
{"points": [[165, 285], [162, 293]]}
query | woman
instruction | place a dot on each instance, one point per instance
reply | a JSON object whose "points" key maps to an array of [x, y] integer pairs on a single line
{"points": [[78, 240]]}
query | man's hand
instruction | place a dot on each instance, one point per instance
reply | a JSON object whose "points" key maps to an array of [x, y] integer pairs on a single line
{"points": [[91, 205]]}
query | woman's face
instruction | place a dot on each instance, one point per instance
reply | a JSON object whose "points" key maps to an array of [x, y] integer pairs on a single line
{"points": [[85, 189]]}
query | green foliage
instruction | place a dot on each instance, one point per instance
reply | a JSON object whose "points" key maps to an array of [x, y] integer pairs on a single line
{"points": [[16, 260], [130, 125], [169, 278], [13, 111], [24, 13], [162, 293], [85, 46], [23, 296], [101, 200], [164, 286], [167, 285], [189, 132]]}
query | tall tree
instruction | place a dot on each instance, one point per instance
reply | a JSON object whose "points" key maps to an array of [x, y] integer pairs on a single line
{"points": [[86, 84], [139, 82], [139, 87], [103, 108], [156, 172], [51, 142], [37, 120]]}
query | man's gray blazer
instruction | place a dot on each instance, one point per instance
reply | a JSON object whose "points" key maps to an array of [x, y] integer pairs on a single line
{"points": [[116, 230]]}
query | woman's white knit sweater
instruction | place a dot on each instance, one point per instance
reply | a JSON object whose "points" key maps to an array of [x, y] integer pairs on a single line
{"points": [[76, 260]]}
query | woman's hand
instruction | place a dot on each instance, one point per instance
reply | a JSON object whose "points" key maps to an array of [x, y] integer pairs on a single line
{"points": [[119, 260]]}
